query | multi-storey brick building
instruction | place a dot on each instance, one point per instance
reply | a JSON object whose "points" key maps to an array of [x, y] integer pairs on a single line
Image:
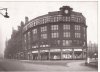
{"points": [[14, 45], [57, 35]]}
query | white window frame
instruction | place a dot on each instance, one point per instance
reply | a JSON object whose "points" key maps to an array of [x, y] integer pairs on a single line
{"points": [[54, 27], [55, 35]]}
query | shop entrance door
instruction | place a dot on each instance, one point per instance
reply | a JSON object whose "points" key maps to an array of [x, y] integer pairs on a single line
{"points": [[44, 56], [35, 56], [78, 54], [66, 56], [55, 55]]}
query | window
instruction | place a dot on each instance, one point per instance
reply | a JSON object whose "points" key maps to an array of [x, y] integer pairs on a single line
{"points": [[25, 42], [67, 42], [55, 19], [44, 45], [84, 35], [59, 18], [37, 21], [44, 20], [77, 27], [40, 21], [35, 45], [43, 29], [51, 19], [54, 35], [64, 18], [84, 32], [34, 23], [34, 31], [29, 35], [67, 19], [77, 35], [29, 39], [66, 34], [25, 38], [35, 36], [84, 44], [47, 19], [66, 27], [73, 18], [76, 19], [58, 42], [54, 27], [79, 19], [77, 42], [43, 36], [84, 29]]}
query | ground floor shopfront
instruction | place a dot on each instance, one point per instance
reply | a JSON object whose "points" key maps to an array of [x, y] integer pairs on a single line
{"points": [[54, 54]]}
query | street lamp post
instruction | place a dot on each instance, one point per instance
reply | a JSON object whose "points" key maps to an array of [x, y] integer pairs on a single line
{"points": [[6, 14]]}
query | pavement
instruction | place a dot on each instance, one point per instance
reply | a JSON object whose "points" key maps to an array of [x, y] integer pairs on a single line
{"points": [[48, 66]]}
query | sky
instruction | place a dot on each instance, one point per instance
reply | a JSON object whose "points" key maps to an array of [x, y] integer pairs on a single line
{"points": [[18, 10]]}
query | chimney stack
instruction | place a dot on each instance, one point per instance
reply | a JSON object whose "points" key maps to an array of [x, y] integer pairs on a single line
{"points": [[22, 23], [19, 28], [26, 20]]}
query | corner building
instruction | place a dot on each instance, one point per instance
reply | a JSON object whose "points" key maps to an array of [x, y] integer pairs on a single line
{"points": [[57, 35]]}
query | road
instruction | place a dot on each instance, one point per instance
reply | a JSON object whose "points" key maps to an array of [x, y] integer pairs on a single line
{"points": [[15, 65]]}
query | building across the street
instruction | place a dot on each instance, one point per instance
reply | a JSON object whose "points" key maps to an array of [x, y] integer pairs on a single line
{"points": [[57, 35], [15, 44], [92, 50]]}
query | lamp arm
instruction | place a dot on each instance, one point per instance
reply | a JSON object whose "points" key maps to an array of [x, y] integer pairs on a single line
{"points": [[6, 14], [1, 14], [3, 9]]}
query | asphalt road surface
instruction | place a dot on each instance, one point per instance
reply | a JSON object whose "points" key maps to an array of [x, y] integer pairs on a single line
{"points": [[15, 65]]}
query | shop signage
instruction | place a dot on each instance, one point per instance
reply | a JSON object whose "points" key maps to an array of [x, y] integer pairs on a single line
{"points": [[77, 49], [55, 50], [66, 49], [44, 51], [34, 51]]}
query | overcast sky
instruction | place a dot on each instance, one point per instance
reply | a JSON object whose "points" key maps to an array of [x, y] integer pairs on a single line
{"points": [[18, 10]]}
